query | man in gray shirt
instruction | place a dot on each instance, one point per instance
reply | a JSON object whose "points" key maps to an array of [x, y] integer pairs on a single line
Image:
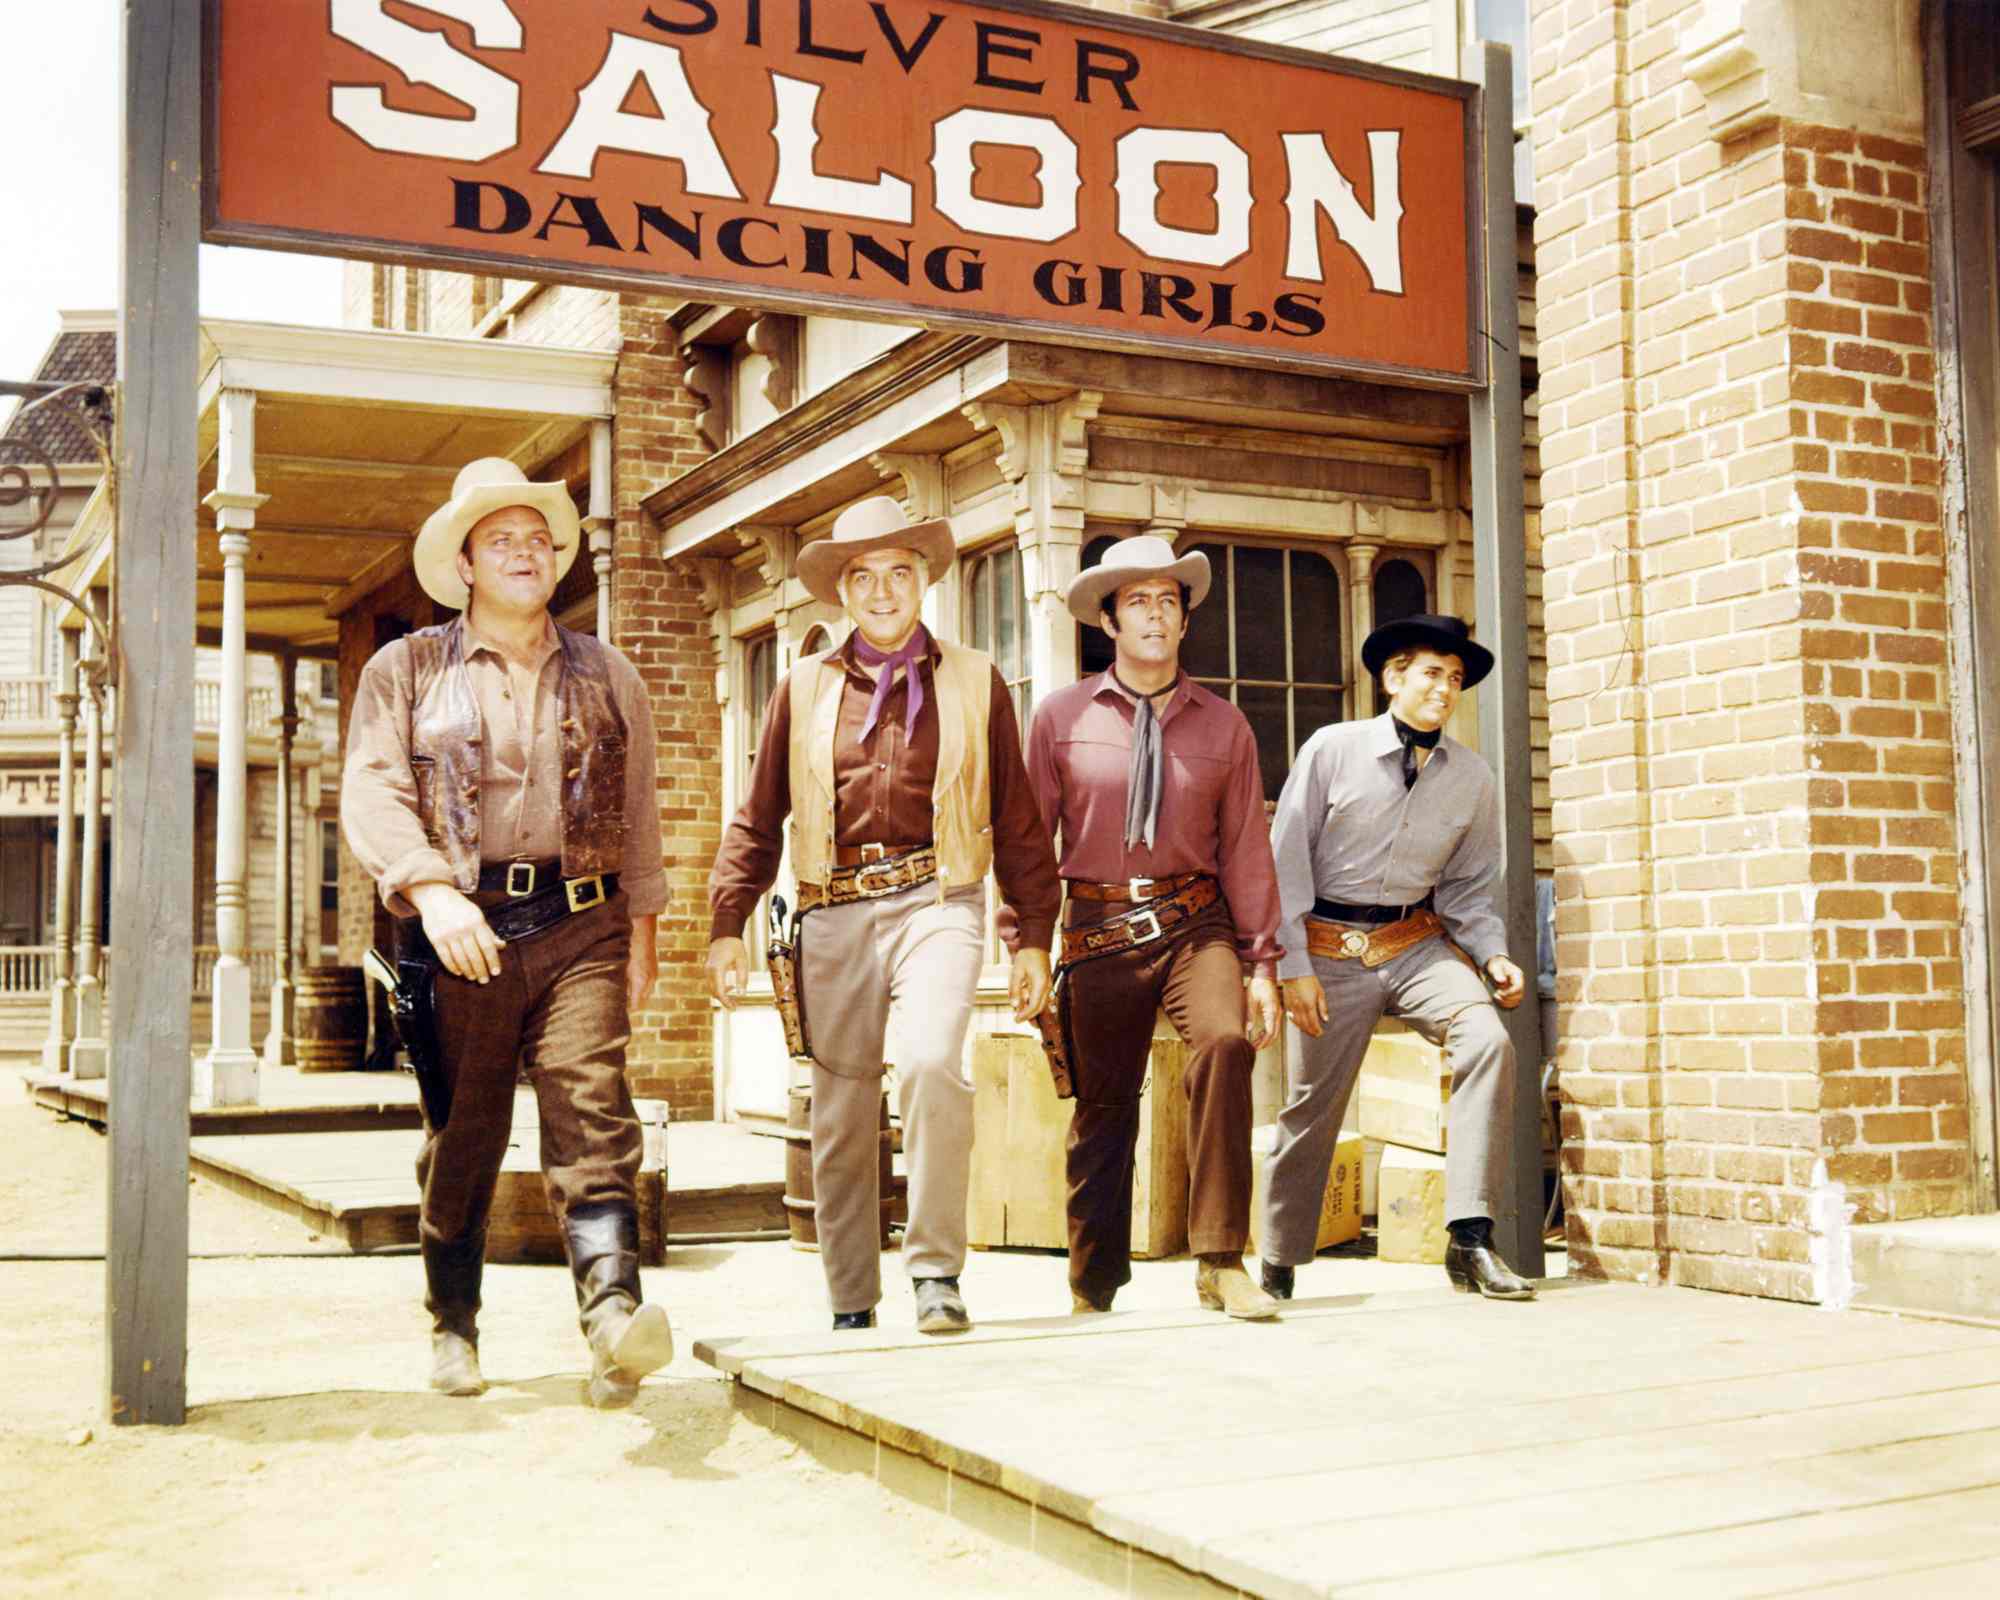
{"points": [[1387, 840]]}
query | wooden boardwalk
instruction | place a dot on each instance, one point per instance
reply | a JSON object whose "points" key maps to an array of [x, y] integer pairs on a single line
{"points": [[1606, 1439]]}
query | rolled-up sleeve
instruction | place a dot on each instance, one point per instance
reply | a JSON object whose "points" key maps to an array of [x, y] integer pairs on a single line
{"points": [[642, 871], [378, 791]]}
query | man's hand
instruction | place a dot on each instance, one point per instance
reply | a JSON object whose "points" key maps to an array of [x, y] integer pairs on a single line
{"points": [[728, 970], [1030, 984], [1509, 983], [1305, 1004], [458, 931], [644, 965], [1263, 1011]]}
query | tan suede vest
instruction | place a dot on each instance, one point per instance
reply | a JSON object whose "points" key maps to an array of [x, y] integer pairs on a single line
{"points": [[446, 737], [961, 795]]}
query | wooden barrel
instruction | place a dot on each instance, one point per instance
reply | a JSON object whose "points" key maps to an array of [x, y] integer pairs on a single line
{"points": [[799, 1206], [330, 1019]]}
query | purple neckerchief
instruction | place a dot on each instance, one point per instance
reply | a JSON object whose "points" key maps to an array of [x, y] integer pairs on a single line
{"points": [[917, 646]]}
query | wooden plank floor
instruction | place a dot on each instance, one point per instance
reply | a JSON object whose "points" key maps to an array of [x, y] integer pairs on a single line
{"points": [[361, 1187], [1604, 1439], [290, 1101]]}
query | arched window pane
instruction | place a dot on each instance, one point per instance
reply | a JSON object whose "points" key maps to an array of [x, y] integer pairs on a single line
{"points": [[1260, 610], [1205, 651], [1093, 645], [1399, 592], [1316, 656]]}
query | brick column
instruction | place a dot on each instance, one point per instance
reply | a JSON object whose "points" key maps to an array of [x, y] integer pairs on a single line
{"points": [[1750, 745], [658, 621]]}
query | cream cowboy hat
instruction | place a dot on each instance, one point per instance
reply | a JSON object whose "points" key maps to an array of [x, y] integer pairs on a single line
{"points": [[876, 523], [1133, 560], [482, 487]]}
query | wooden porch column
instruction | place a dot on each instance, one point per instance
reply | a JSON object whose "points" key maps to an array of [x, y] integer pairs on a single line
{"points": [[601, 521], [227, 1075], [55, 1048], [278, 1037], [87, 1052]]}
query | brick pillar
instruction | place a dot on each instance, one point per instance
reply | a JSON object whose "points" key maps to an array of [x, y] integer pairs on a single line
{"points": [[1750, 743], [658, 622]]}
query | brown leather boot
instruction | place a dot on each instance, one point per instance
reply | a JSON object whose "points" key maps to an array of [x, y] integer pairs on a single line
{"points": [[627, 1338], [1223, 1285], [452, 1272]]}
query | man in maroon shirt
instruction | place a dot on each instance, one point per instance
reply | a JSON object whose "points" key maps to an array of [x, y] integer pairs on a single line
{"points": [[898, 759], [1152, 783]]}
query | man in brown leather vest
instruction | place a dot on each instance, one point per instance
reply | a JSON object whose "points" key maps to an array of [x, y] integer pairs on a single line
{"points": [[499, 788]]}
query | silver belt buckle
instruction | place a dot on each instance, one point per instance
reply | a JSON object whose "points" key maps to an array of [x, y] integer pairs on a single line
{"points": [[879, 851], [520, 879], [1353, 942], [1145, 919], [1132, 887], [871, 869]]}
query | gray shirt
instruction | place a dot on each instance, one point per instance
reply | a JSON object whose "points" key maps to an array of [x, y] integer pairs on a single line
{"points": [[1347, 829]]}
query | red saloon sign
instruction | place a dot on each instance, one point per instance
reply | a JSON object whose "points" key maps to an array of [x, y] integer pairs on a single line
{"points": [[1011, 167]]}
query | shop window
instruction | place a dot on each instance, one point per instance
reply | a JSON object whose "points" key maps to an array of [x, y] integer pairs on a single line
{"points": [[817, 642], [1267, 639], [760, 680], [1400, 591], [329, 885], [996, 620]]}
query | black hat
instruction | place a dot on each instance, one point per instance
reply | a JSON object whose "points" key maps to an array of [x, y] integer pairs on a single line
{"points": [[1446, 635]]}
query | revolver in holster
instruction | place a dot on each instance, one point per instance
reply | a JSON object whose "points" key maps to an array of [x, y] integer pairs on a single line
{"points": [[782, 956], [411, 981], [1053, 1024]]}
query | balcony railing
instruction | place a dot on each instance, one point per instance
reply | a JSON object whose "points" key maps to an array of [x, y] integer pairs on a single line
{"points": [[26, 700], [30, 969], [26, 968], [32, 699], [263, 969]]}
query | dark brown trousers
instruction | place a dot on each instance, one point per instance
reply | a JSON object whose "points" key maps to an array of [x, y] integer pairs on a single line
{"points": [[558, 1010], [1197, 979]]}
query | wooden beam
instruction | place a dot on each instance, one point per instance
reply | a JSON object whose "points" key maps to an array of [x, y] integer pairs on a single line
{"points": [[1500, 581], [152, 898], [368, 580], [270, 644]]}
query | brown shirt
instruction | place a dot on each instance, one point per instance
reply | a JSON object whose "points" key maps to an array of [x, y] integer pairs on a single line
{"points": [[520, 790], [1211, 798], [882, 795]]}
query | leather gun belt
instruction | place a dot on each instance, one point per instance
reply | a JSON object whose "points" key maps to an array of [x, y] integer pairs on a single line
{"points": [[871, 879], [1373, 947], [1147, 921]]}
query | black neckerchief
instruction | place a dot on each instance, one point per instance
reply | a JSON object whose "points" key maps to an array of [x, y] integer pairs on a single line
{"points": [[1411, 741]]}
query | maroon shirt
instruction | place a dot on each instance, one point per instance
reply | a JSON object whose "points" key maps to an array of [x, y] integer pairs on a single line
{"points": [[1211, 798], [882, 795]]}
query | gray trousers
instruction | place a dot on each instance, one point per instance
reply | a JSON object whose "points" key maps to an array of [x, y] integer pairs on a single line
{"points": [[1441, 997], [891, 980]]}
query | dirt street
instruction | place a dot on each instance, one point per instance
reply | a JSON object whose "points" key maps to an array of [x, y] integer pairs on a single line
{"points": [[315, 1462]]}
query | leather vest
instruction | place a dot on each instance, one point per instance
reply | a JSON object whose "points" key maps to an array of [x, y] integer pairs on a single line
{"points": [[961, 793], [447, 741]]}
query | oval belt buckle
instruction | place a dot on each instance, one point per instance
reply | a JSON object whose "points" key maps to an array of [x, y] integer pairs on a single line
{"points": [[1353, 943]]}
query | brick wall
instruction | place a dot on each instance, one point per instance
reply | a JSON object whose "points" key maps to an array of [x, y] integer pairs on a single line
{"points": [[657, 620], [1750, 747]]}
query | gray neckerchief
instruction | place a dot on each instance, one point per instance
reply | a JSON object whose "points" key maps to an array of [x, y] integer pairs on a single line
{"points": [[1142, 778]]}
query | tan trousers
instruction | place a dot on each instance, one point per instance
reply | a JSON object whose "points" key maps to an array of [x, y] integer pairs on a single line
{"points": [[891, 980]]}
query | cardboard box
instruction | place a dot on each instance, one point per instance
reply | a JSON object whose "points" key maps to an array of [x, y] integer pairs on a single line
{"points": [[1020, 1189], [1404, 1092], [1410, 1225], [1340, 1207]]}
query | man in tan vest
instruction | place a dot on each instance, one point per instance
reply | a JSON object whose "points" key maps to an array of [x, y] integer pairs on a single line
{"points": [[898, 759], [499, 788]]}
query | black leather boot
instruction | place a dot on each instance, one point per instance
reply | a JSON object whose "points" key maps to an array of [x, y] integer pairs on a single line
{"points": [[452, 1272], [1475, 1267], [627, 1338], [1277, 1280]]}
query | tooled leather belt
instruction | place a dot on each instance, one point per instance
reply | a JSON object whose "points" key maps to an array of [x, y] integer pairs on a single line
{"points": [[1372, 948], [870, 879], [1146, 922]]}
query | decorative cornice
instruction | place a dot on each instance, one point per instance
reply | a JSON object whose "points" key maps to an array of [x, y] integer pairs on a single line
{"points": [[775, 550], [705, 373], [1720, 59], [920, 481]]}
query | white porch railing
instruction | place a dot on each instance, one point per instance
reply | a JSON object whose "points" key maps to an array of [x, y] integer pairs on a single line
{"points": [[25, 699], [27, 968], [263, 969], [260, 713]]}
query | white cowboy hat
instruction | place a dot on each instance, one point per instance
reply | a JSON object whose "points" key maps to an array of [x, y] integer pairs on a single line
{"points": [[482, 487], [876, 523], [1133, 560]]}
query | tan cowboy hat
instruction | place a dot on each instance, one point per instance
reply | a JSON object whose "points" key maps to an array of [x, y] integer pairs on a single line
{"points": [[1133, 560], [482, 487], [876, 523]]}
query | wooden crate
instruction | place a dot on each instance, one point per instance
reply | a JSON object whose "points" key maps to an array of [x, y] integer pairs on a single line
{"points": [[523, 1227], [1405, 1092], [1411, 1225], [1019, 1187], [1340, 1206]]}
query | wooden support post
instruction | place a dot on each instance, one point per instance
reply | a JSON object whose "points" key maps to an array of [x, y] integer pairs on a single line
{"points": [[55, 1047], [152, 914], [278, 1036], [601, 522], [1500, 579], [227, 1075], [87, 1050]]}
